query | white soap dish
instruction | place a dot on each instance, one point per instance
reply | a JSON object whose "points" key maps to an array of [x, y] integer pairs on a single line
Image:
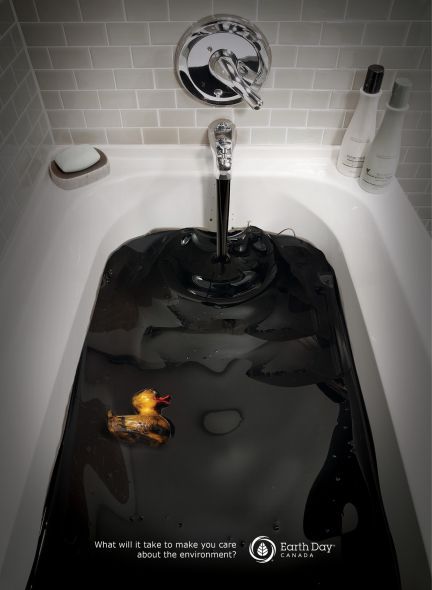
{"points": [[75, 158], [72, 180]]}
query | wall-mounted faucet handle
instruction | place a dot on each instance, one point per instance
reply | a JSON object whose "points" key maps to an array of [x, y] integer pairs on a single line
{"points": [[222, 139], [225, 66], [223, 59]]}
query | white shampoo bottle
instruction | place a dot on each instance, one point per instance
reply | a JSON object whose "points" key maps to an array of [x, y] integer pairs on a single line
{"points": [[383, 157], [362, 128]]}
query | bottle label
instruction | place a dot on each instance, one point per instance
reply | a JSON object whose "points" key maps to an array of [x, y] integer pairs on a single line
{"points": [[363, 141], [374, 178], [352, 155], [353, 161]]}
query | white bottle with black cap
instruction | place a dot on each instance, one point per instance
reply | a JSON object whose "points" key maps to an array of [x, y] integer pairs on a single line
{"points": [[383, 157], [362, 127]]}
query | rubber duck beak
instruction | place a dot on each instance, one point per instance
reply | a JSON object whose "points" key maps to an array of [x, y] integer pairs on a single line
{"points": [[164, 400]]}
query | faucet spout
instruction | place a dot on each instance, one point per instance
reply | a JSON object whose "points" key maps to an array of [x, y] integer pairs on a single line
{"points": [[222, 139]]}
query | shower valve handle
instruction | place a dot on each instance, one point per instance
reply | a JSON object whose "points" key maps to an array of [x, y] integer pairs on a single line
{"points": [[225, 66]]}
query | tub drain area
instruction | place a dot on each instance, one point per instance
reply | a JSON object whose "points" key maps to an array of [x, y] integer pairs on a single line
{"points": [[216, 426]]}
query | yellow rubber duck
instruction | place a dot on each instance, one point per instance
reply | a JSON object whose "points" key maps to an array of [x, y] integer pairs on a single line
{"points": [[148, 425]]}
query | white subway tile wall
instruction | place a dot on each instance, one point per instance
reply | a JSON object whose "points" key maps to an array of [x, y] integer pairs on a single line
{"points": [[105, 69], [25, 136]]}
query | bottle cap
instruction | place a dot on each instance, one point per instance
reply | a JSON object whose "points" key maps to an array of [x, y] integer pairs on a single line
{"points": [[373, 80], [400, 93]]}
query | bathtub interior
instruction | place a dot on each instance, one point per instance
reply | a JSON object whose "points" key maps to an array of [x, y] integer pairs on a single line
{"points": [[88, 229], [298, 464]]}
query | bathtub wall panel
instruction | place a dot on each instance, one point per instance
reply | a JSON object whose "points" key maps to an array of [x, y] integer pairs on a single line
{"points": [[25, 134], [106, 72]]}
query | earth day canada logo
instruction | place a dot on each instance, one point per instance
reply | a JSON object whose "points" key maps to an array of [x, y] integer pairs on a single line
{"points": [[262, 549]]}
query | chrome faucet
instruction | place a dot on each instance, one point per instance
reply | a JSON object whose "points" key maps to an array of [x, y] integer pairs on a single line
{"points": [[223, 60], [222, 137]]}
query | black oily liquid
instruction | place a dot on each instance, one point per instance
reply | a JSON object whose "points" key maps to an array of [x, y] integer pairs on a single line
{"points": [[223, 186], [269, 435]]}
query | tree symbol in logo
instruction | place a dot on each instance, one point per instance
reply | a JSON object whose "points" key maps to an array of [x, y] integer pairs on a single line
{"points": [[262, 549]]}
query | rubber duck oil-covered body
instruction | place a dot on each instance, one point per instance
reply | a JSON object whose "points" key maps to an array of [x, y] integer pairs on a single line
{"points": [[148, 425]]}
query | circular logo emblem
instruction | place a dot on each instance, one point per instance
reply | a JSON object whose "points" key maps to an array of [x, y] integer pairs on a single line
{"points": [[262, 549]]}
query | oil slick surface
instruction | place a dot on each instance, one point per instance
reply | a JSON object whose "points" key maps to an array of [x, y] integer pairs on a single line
{"points": [[270, 435]]}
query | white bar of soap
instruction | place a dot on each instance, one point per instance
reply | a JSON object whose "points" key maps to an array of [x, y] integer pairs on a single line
{"points": [[76, 158]]}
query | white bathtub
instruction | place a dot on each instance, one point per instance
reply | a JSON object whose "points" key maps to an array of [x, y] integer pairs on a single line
{"points": [[49, 280]]}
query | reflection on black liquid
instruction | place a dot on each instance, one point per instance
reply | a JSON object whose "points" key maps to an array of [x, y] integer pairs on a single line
{"points": [[271, 436]]}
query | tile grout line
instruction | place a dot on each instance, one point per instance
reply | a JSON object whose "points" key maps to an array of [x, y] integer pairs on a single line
{"points": [[321, 35], [79, 10], [278, 26], [9, 30], [123, 9], [363, 35], [346, 10], [423, 53], [33, 2], [64, 35], [32, 70], [407, 34], [392, 3], [19, 117], [380, 55]]}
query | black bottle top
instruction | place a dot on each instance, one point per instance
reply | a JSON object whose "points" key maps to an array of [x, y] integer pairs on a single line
{"points": [[373, 80]]}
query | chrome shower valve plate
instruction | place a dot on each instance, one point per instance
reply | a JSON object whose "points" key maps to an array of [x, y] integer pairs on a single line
{"points": [[206, 40]]}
